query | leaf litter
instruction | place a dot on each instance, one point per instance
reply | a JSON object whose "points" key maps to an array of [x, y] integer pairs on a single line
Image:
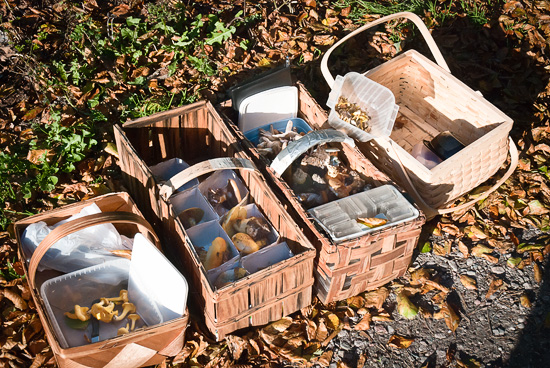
{"points": [[479, 279]]}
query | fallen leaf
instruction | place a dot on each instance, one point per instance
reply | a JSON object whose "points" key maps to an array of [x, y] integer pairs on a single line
{"points": [[444, 249], [405, 307], [451, 317], [496, 285], [463, 248], [15, 298], [468, 282], [426, 247], [236, 345], [332, 321], [361, 361], [420, 276], [400, 342], [282, 324], [537, 272], [524, 300], [356, 302], [480, 249], [364, 324], [375, 298], [325, 358], [513, 262], [322, 332], [311, 329]]}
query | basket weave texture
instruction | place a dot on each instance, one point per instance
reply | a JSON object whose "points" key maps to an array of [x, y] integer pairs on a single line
{"points": [[195, 133], [140, 348], [351, 267], [432, 101]]}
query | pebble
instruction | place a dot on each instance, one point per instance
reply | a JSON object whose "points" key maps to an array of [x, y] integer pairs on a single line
{"points": [[345, 345], [453, 266], [477, 302], [498, 270], [470, 273], [391, 330], [521, 319], [440, 336], [333, 365], [511, 328], [469, 262], [527, 286], [359, 343], [521, 326], [379, 329]]}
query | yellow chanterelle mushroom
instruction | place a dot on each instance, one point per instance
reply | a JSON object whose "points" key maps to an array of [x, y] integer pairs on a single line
{"points": [[102, 312], [80, 313], [127, 308]]}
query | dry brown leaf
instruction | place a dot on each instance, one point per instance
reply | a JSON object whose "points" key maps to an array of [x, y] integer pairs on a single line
{"points": [[356, 302], [489, 258], [463, 248], [400, 342], [236, 345], [376, 298], [383, 317], [282, 324], [419, 276], [450, 229], [496, 284], [362, 360], [437, 285], [524, 300], [322, 331], [311, 329], [332, 321], [538, 272], [468, 282], [451, 317], [480, 249], [442, 250], [15, 298], [364, 324], [325, 358]]}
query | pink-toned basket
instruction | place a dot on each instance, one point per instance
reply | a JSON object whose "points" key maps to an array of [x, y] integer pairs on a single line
{"points": [[431, 100]]}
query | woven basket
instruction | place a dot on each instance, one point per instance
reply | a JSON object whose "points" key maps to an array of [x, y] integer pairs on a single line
{"points": [[196, 133], [432, 101], [142, 347], [351, 267]]}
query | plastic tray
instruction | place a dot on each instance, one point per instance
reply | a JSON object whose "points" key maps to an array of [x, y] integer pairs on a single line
{"points": [[299, 124], [373, 98], [338, 218]]}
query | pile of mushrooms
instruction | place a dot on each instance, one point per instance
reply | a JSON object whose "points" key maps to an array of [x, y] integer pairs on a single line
{"points": [[248, 234], [105, 311], [224, 198], [272, 142], [352, 114], [318, 177]]}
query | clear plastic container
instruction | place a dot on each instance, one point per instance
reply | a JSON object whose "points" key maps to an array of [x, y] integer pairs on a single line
{"points": [[339, 218], [373, 98], [84, 287]]}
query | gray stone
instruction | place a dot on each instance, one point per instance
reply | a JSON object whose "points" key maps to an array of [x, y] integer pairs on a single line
{"points": [[521, 319], [521, 326], [345, 345], [469, 262], [453, 266], [440, 335], [497, 270], [477, 302], [391, 330], [527, 286], [379, 329], [470, 273], [359, 343]]}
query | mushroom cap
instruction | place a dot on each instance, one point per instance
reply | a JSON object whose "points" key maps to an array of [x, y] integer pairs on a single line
{"points": [[191, 216], [244, 243]]}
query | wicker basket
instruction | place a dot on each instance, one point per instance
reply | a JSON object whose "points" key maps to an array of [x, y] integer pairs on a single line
{"points": [[195, 133], [351, 267], [142, 347], [432, 101]]}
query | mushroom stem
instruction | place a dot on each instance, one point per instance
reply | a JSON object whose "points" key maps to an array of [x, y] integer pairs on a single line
{"points": [[133, 317], [128, 308]]}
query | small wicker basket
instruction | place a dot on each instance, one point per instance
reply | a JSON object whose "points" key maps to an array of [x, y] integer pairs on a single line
{"points": [[143, 347], [431, 100]]}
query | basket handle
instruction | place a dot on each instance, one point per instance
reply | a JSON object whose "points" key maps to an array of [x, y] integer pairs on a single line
{"points": [[81, 223], [513, 151], [411, 16], [297, 147], [192, 172]]}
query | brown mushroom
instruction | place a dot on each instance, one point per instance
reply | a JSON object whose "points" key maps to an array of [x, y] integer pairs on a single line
{"points": [[127, 308], [122, 330], [133, 317], [191, 216], [244, 243]]}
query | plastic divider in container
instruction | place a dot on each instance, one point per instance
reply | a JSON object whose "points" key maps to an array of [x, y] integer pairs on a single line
{"points": [[167, 169], [219, 184], [227, 273], [299, 125], [253, 211], [84, 287], [192, 198], [377, 101], [338, 218], [203, 235], [266, 257]]}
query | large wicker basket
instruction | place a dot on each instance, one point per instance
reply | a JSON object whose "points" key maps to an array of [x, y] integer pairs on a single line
{"points": [[195, 133], [353, 266], [142, 347], [431, 100]]}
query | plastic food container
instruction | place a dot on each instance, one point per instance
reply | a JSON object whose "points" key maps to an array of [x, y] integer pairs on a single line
{"points": [[373, 98], [84, 287], [167, 169], [338, 218], [270, 105], [298, 124]]}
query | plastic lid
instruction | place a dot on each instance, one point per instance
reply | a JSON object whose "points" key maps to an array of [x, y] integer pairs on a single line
{"points": [[268, 106]]}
